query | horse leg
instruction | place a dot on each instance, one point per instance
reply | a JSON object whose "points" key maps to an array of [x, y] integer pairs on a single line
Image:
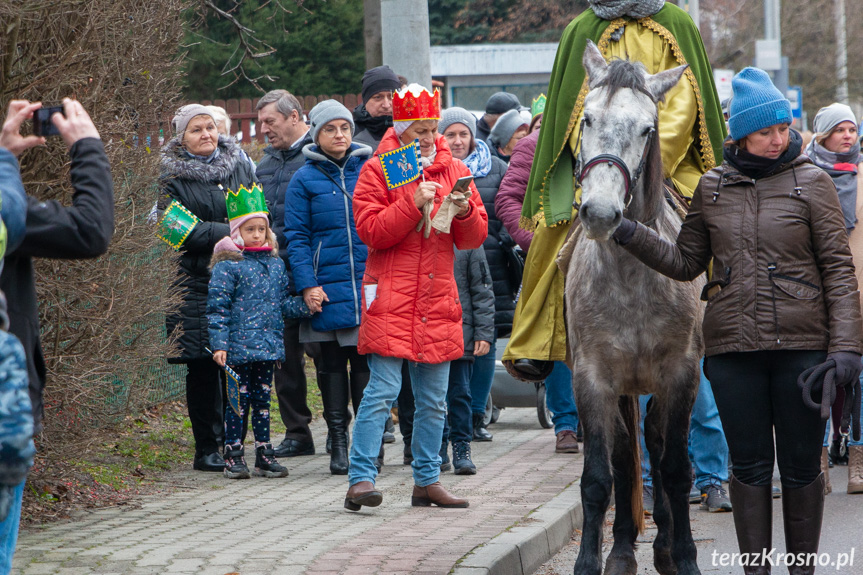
{"points": [[654, 439], [676, 470], [628, 518], [597, 414]]}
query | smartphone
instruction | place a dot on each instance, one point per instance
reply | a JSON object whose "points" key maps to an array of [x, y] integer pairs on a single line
{"points": [[462, 184], [42, 124]]}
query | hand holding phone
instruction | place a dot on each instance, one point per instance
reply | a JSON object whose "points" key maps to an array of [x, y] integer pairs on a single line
{"points": [[43, 125], [462, 184]]}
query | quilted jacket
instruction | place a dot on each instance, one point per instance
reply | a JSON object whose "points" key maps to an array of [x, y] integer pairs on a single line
{"points": [[323, 246], [411, 306], [247, 302]]}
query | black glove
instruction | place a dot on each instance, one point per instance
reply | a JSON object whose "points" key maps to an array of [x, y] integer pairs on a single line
{"points": [[848, 367], [624, 232]]}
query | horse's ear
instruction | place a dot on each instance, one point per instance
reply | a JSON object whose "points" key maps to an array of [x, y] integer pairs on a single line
{"points": [[659, 84], [594, 64]]}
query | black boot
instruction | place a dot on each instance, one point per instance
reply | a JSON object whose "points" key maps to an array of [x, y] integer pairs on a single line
{"points": [[266, 464], [480, 433], [379, 460], [445, 465], [334, 393], [408, 453], [802, 511], [461, 460], [235, 463], [752, 506]]}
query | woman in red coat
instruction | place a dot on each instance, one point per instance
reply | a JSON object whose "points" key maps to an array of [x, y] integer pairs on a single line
{"points": [[411, 309]]}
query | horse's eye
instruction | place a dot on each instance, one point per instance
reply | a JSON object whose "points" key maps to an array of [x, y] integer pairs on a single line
{"points": [[646, 132], [587, 121]]}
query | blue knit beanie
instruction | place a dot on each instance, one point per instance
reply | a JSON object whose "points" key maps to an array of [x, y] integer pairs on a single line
{"points": [[756, 104]]}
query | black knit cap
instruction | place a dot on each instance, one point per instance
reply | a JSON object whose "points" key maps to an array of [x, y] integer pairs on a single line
{"points": [[380, 79]]}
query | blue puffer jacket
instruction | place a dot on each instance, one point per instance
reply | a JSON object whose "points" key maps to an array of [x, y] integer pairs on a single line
{"points": [[323, 246], [247, 302]]}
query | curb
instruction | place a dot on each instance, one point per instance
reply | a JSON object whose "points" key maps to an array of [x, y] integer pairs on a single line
{"points": [[523, 549]]}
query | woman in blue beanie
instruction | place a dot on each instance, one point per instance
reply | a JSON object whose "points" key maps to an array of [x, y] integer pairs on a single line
{"points": [[782, 298]]}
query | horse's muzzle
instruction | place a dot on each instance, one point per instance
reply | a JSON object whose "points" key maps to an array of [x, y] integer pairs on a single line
{"points": [[599, 221]]}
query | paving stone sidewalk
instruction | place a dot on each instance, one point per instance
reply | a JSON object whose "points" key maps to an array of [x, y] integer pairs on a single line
{"points": [[216, 526]]}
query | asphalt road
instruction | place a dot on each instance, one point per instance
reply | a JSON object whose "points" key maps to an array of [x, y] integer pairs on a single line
{"points": [[842, 533]]}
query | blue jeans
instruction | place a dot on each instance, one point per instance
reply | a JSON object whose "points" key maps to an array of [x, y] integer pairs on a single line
{"points": [[559, 398], [429, 382], [708, 450], [9, 530], [458, 426], [482, 379]]}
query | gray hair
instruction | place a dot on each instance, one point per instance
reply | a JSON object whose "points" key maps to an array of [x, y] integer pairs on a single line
{"points": [[286, 102], [221, 116]]}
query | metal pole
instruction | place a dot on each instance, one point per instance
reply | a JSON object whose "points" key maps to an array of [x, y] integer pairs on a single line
{"points": [[405, 38], [691, 7], [841, 52]]}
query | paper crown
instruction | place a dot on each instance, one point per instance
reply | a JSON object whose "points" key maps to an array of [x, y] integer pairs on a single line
{"points": [[416, 103], [245, 201], [537, 106]]}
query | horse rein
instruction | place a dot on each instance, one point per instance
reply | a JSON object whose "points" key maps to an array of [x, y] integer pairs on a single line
{"points": [[629, 179]]}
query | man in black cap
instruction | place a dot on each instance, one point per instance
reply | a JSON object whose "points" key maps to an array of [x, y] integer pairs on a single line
{"points": [[500, 103], [375, 114]]}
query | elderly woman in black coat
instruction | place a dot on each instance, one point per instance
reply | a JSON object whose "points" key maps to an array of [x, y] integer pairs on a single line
{"points": [[198, 169]]}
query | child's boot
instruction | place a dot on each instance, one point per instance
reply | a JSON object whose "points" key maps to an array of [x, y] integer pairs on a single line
{"points": [[235, 462], [266, 464]]}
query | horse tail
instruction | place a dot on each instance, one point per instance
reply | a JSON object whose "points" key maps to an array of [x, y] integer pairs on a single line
{"points": [[631, 414]]}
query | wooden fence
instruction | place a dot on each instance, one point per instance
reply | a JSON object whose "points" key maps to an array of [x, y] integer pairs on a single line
{"points": [[243, 116]]}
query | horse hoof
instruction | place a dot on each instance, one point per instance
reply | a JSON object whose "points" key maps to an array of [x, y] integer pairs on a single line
{"points": [[663, 563], [622, 565]]}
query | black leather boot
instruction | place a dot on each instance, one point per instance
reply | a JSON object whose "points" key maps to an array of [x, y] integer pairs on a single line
{"points": [[480, 433], [334, 393], [752, 506], [802, 511]]}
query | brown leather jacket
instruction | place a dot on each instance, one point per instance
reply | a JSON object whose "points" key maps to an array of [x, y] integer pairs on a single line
{"points": [[782, 271]]}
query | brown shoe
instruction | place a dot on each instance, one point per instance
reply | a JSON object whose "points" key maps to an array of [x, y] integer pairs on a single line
{"points": [[855, 469], [435, 494], [362, 493], [825, 469], [566, 442]]}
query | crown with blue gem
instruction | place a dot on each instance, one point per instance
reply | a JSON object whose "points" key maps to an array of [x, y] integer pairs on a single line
{"points": [[245, 201]]}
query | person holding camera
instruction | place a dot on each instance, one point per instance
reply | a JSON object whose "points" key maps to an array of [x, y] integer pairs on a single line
{"points": [[82, 230]]}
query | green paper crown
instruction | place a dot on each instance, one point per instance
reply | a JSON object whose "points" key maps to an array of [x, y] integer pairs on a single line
{"points": [[245, 201], [537, 106]]}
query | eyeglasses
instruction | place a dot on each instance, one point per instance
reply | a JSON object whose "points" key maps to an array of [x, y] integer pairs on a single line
{"points": [[332, 130]]}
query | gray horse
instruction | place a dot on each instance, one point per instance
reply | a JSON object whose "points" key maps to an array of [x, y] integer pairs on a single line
{"points": [[631, 330]]}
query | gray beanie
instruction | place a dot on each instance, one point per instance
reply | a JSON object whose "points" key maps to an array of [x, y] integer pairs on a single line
{"points": [[325, 112], [831, 116], [186, 113], [505, 127], [501, 102], [457, 115]]}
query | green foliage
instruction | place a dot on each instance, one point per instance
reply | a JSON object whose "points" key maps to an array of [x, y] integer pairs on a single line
{"points": [[319, 49]]}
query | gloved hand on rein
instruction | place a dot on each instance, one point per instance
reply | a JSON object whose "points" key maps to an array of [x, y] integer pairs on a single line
{"points": [[624, 232], [848, 367]]}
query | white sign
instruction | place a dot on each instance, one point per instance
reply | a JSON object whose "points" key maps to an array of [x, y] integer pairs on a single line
{"points": [[722, 79], [768, 55]]}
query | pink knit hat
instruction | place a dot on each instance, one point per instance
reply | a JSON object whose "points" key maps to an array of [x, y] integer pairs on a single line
{"points": [[234, 242]]}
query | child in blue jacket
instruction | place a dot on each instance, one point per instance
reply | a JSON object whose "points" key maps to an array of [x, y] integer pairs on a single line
{"points": [[246, 306]]}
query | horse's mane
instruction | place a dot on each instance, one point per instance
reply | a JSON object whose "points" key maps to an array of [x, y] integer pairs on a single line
{"points": [[631, 75]]}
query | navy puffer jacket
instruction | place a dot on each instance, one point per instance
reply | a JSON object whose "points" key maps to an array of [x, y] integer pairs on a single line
{"points": [[323, 246], [495, 244], [247, 302]]}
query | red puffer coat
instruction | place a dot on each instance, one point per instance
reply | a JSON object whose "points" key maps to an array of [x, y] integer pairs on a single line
{"points": [[411, 307]]}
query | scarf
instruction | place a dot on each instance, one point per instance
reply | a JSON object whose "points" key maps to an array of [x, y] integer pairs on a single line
{"points": [[757, 167], [611, 9], [427, 161], [205, 159], [479, 161], [843, 169], [376, 126]]}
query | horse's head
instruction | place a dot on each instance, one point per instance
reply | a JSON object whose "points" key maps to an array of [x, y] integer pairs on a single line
{"points": [[619, 144]]}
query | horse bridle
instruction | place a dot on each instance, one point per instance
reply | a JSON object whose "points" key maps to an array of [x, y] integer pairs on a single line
{"points": [[630, 179]]}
